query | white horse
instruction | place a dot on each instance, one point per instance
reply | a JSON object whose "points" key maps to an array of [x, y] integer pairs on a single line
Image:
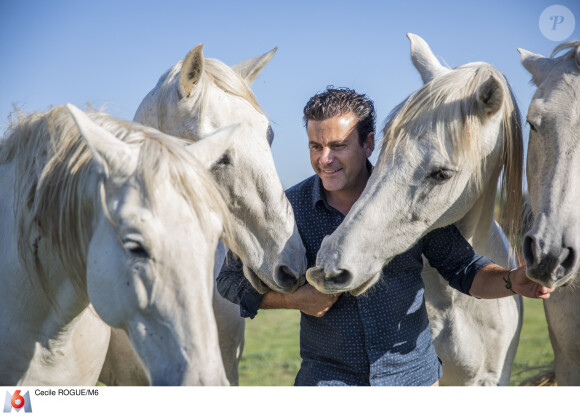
{"points": [[552, 246], [119, 215], [442, 154], [191, 99], [195, 97]]}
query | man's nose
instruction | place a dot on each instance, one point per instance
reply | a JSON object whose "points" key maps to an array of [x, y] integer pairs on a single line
{"points": [[326, 156]]}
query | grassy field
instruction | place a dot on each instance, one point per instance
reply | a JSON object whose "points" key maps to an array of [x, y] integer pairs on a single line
{"points": [[272, 352], [534, 354], [271, 355]]}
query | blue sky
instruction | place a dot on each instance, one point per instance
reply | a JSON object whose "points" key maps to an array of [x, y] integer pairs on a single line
{"points": [[112, 52]]}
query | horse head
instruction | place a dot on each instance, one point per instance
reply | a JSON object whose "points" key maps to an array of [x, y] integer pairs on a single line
{"points": [[552, 245], [149, 266], [440, 148], [191, 100]]}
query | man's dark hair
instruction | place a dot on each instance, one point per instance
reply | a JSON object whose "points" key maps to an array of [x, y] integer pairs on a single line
{"points": [[339, 101]]}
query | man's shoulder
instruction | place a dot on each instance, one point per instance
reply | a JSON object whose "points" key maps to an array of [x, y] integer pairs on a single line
{"points": [[448, 231], [302, 191]]}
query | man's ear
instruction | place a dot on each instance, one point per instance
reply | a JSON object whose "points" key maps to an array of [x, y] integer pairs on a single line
{"points": [[369, 144]]}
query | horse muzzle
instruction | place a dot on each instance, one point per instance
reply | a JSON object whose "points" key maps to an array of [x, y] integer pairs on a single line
{"points": [[551, 265]]}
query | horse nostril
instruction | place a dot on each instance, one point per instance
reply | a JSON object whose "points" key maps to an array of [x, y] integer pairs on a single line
{"points": [[570, 259], [285, 278], [529, 252], [341, 279]]}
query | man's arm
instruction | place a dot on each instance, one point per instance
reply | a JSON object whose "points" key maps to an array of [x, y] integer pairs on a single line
{"points": [[305, 299], [233, 285], [473, 274], [493, 281]]}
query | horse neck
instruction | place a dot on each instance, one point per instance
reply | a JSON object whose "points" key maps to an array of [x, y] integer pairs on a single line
{"points": [[477, 223], [44, 328], [68, 298], [147, 113], [69, 352]]}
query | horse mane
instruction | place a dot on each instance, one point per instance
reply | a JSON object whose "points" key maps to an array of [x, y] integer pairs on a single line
{"points": [[447, 103], [162, 157], [229, 81], [56, 187], [572, 45], [215, 72]]}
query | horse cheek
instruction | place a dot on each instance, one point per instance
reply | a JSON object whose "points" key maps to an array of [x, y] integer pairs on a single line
{"points": [[107, 287]]}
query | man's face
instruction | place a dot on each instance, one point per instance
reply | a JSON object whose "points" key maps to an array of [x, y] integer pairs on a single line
{"points": [[336, 154]]}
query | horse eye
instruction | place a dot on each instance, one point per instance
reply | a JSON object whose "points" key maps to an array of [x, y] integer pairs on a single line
{"points": [[532, 126], [224, 160], [270, 135], [135, 248], [441, 175]]}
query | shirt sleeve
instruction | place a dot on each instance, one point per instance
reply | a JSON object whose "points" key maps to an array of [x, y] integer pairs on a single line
{"points": [[233, 285], [453, 257]]}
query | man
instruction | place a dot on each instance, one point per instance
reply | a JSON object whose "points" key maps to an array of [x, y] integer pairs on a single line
{"points": [[381, 337]]}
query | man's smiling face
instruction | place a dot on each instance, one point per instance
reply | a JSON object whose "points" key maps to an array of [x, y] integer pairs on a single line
{"points": [[336, 154]]}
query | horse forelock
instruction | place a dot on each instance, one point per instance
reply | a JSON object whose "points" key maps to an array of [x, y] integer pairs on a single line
{"points": [[447, 107], [215, 73], [164, 158], [230, 81], [571, 46]]}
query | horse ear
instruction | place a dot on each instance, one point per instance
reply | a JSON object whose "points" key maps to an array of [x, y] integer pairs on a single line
{"points": [[490, 96], [191, 70], [250, 68], [578, 56], [424, 60], [109, 152], [536, 65], [210, 149]]}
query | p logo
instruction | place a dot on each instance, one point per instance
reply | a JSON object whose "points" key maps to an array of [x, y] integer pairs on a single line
{"points": [[557, 23], [17, 401]]}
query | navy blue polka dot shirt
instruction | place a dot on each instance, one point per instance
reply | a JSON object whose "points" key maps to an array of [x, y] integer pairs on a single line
{"points": [[381, 337]]}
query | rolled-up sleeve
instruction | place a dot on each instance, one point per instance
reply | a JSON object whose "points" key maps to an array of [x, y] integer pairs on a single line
{"points": [[233, 285], [453, 257]]}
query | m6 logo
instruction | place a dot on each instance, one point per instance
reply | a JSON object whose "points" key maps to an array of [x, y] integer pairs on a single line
{"points": [[17, 402]]}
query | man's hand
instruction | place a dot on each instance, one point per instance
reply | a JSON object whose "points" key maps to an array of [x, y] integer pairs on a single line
{"points": [[494, 282], [524, 286], [306, 299], [312, 302]]}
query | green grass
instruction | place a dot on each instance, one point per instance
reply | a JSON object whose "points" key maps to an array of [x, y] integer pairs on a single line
{"points": [[271, 354], [534, 355], [272, 350]]}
